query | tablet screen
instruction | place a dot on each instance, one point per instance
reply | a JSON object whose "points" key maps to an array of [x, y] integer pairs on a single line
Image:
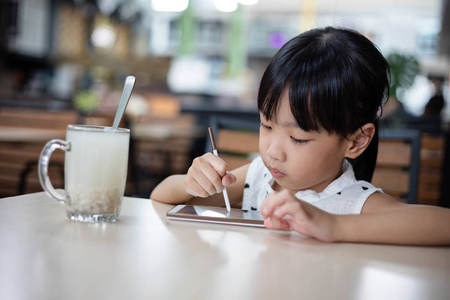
{"points": [[219, 215]]}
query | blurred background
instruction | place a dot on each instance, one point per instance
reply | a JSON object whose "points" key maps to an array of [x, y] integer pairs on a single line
{"points": [[65, 61]]}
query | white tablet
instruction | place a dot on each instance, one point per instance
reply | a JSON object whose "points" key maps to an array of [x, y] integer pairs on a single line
{"points": [[213, 214]]}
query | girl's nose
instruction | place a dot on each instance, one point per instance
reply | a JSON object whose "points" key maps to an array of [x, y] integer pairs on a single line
{"points": [[275, 150]]}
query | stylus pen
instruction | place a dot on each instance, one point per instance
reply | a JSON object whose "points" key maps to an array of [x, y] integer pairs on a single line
{"points": [[213, 144]]}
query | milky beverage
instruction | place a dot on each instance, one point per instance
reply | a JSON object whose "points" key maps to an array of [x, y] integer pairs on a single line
{"points": [[95, 172]]}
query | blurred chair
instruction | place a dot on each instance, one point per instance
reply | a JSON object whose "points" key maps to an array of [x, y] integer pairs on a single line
{"points": [[236, 139], [19, 151], [397, 169], [432, 169], [161, 147], [36, 118]]}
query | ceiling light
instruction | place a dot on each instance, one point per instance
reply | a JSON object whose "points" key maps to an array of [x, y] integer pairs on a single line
{"points": [[226, 5], [248, 2], [170, 5], [103, 36]]}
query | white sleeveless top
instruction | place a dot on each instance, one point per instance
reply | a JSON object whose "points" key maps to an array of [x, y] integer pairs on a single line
{"points": [[345, 195]]}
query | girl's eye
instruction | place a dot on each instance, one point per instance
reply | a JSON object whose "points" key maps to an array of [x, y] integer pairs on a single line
{"points": [[298, 141], [265, 126]]}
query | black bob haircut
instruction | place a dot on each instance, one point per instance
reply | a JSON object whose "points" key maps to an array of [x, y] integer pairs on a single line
{"points": [[337, 81]]}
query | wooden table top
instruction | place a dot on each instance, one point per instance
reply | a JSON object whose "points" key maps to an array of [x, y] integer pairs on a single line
{"points": [[44, 255]]}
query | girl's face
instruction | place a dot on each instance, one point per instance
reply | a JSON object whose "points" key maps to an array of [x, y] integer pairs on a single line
{"points": [[299, 160]]}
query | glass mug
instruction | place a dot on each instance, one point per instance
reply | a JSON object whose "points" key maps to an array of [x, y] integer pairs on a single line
{"points": [[95, 171]]}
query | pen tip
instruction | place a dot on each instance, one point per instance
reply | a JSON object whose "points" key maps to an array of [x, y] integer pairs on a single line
{"points": [[211, 137]]}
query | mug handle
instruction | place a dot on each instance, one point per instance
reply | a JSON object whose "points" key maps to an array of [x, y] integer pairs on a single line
{"points": [[44, 160]]}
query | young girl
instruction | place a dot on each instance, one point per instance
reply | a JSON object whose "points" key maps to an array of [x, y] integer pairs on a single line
{"points": [[319, 101]]}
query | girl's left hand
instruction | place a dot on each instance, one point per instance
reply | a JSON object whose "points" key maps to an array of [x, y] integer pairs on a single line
{"points": [[281, 210]]}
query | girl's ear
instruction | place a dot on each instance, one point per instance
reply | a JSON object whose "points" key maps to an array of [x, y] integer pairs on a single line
{"points": [[360, 140]]}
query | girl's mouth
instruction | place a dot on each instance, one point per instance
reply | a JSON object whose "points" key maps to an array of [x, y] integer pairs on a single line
{"points": [[276, 174]]}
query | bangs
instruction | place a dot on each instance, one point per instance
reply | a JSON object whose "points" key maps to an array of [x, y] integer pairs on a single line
{"points": [[314, 93], [299, 102]]}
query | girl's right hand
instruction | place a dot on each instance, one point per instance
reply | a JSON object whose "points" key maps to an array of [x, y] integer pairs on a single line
{"points": [[207, 176]]}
